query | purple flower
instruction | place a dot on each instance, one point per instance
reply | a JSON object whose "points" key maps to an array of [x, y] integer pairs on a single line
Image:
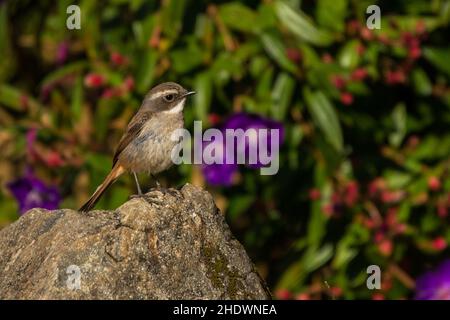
{"points": [[247, 121], [62, 52], [30, 192], [221, 174], [31, 139], [434, 285]]}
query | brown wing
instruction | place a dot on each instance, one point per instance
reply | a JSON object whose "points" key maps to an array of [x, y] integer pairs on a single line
{"points": [[133, 130]]}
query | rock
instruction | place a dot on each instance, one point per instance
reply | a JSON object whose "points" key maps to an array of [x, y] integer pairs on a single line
{"points": [[172, 245]]}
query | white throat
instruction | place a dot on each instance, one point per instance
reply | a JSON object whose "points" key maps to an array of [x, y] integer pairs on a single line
{"points": [[178, 108]]}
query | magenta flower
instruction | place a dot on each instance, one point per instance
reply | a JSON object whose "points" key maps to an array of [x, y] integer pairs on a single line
{"points": [[62, 52], [435, 284], [30, 192]]}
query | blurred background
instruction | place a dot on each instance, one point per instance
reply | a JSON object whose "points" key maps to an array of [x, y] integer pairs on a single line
{"points": [[364, 157]]}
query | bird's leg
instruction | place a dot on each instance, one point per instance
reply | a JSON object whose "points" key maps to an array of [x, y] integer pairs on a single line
{"points": [[140, 194]]}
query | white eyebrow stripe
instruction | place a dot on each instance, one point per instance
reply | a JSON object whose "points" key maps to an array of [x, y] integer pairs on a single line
{"points": [[162, 93]]}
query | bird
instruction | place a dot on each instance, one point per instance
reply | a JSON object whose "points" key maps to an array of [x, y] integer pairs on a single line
{"points": [[146, 144]]}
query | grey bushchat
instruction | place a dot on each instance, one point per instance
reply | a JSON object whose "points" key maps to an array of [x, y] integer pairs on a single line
{"points": [[146, 145]]}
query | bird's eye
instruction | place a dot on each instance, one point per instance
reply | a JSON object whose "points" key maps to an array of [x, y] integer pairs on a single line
{"points": [[169, 97]]}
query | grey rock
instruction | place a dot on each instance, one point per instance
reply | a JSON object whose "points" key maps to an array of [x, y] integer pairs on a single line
{"points": [[170, 245]]}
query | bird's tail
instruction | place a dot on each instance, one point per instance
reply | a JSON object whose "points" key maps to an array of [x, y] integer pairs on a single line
{"points": [[116, 172]]}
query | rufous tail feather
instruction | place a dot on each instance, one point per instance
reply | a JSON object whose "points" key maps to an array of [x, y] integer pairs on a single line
{"points": [[116, 172]]}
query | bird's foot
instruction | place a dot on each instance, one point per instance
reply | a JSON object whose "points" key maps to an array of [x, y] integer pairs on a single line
{"points": [[136, 196], [173, 192]]}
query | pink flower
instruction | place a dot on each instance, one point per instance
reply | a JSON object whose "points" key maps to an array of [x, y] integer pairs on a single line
{"points": [[302, 296], [377, 296], [293, 54], [213, 118], [283, 294], [327, 58], [395, 77], [94, 80], [366, 34], [337, 81], [351, 193], [118, 59], [414, 53], [385, 247], [314, 194], [434, 184], [442, 210], [62, 52], [359, 74], [129, 83], [439, 243], [346, 98], [53, 159]]}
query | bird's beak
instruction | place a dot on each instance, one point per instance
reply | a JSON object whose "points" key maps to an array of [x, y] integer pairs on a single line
{"points": [[189, 93]]}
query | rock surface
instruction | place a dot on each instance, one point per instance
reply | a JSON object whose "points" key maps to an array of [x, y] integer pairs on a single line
{"points": [[173, 245]]}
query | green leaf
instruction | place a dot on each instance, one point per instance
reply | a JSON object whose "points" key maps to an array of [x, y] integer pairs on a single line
{"points": [[399, 122], [172, 17], [60, 73], [16, 99], [314, 259], [146, 70], [348, 56], [277, 51], [301, 25], [77, 99], [237, 16], [186, 59], [282, 95], [332, 13], [325, 117], [439, 57], [421, 82], [203, 87], [239, 204]]}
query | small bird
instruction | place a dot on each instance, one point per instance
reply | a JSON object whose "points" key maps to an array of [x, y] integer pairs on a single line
{"points": [[146, 145]]}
